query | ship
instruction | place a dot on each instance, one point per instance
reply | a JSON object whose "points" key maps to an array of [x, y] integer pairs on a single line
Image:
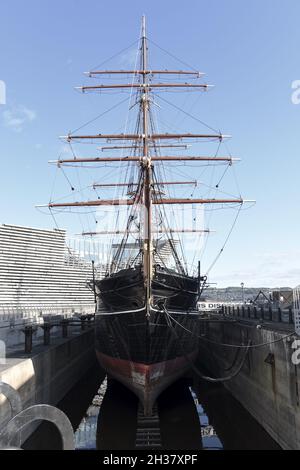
{"points": [[146, 322]]}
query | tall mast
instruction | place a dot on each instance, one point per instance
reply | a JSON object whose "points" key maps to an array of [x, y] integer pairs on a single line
{"points": [[147, 170], [145, 139]]}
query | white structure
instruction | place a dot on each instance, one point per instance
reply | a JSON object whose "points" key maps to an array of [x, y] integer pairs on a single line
{"points": [[210, 305], [39, 272], [296, 308]]}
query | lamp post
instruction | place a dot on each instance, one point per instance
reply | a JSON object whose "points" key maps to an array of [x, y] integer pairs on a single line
{"points": [[243, 293]]}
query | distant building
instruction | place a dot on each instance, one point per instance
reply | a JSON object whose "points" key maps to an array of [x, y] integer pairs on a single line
{"points": [[38, 271]]}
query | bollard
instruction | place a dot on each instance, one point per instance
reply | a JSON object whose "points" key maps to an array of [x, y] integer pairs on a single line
{"points": [[64, 324], [255, 312], [248, 312], [82, 319], [279, 314], [47, 328], [28, 338], [262, 313], [243, 311], [291, 316], [275, 315], [238, 311], [270, 314]]}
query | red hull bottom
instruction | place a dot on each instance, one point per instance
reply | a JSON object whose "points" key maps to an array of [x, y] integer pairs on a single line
{"points": [[147, 381]]}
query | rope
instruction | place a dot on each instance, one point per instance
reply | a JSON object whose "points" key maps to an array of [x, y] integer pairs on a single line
{"points": [[187, 113], [116, 259], [240, 346], [222, 379], [169, 235], [210, 190], [195, 369], [224, 173], [115, 55], [100, 115], [225, 243], [60, 231], [172, 55], [68, 180]]}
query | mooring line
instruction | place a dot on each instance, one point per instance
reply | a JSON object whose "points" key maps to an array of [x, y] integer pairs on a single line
{"points": [[195, 369]]}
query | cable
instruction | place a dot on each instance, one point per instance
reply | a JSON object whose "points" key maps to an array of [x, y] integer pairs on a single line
{"points": [[196, 370], [225, 243], [188, 114], [172, 55], [68, 180], [115, 55], [100, 115], [241, 346]]}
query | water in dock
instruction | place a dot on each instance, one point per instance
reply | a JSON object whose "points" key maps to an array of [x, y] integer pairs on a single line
{"points": [[190, 415]]}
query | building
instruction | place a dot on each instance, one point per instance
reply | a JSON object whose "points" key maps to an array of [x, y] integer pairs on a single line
{"points": [[39, 271]]}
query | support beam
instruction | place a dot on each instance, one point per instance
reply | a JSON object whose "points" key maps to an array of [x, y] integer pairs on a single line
{"points": [[159, 183], [130, 202], [112, 137], [128, 147], [122, 232], [140, 159], [144, 72], [143, 86]]}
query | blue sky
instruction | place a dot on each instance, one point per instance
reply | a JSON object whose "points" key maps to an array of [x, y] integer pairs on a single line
{"points": [[248, 50]]}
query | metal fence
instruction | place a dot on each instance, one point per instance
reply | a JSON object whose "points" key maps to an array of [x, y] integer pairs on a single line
{"points": [[271, 314], [13, 312]]}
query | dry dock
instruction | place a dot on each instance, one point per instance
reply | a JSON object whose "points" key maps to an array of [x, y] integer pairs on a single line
{"points": [[268, 383], [48, 372]]}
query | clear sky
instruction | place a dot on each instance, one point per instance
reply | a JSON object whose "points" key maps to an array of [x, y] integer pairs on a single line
{"points": [[248, 50]]}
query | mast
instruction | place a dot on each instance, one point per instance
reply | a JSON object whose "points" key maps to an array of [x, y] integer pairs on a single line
{"points": [[147, 173], [142, 142]]}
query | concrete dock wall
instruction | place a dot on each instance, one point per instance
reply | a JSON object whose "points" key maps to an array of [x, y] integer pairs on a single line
{"points": [[268, 384], [47, 374]]}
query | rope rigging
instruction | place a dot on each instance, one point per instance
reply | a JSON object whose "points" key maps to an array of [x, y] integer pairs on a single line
{"points": [[239, 346], [194, 367], [131, 171]]}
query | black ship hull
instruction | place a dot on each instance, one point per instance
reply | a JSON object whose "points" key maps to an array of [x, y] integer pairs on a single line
{"points": [[125, 290], [146, 355], [147, 352]]}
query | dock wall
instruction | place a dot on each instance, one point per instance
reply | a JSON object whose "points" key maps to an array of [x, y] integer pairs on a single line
{"points": [[268, 383], [47, 374]]}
